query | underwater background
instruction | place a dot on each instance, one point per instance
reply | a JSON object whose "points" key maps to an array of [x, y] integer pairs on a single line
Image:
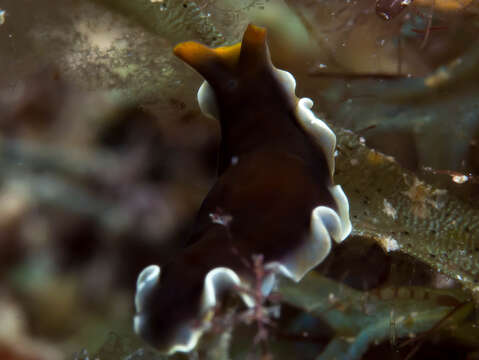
{"points": [[105, 159]]}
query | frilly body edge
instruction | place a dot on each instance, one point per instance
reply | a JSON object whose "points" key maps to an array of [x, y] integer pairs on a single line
{"points": [[274, 194]]}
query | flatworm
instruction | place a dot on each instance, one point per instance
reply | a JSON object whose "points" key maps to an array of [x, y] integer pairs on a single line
{"points": [[274, 194]]}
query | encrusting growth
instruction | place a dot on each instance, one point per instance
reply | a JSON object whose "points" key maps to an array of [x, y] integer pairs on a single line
{"points": [[274, 195]]}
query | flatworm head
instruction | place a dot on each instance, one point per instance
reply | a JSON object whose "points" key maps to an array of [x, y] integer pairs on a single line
{"points": [[243, 90], [274, 195]]}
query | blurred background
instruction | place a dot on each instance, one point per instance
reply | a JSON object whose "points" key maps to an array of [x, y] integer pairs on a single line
{"points": [[105, 159]]}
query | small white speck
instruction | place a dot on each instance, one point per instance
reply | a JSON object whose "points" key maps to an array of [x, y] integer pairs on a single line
{"points": [[322, 66], [362, 140], [460, 179], [439, 192], [349, 339], [354, 162], [234, 160], [389, 210], [389, 244], [441, 281], [332, 298], [220, 218], [336, 153], [384, 15]]}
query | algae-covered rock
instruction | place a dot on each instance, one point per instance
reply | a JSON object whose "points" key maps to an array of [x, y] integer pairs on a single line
{"points": [[402, 213]]}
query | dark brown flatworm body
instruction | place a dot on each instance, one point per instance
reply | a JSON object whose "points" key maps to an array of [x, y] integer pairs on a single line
{"points": [[274, 195]]}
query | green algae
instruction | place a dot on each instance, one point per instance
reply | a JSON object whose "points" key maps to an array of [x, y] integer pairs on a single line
{"points": [[360, 319], [174, 20], [422, 221]]}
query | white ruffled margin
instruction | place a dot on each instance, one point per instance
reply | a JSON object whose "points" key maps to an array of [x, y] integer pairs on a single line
{"points": [[325, 222]]}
